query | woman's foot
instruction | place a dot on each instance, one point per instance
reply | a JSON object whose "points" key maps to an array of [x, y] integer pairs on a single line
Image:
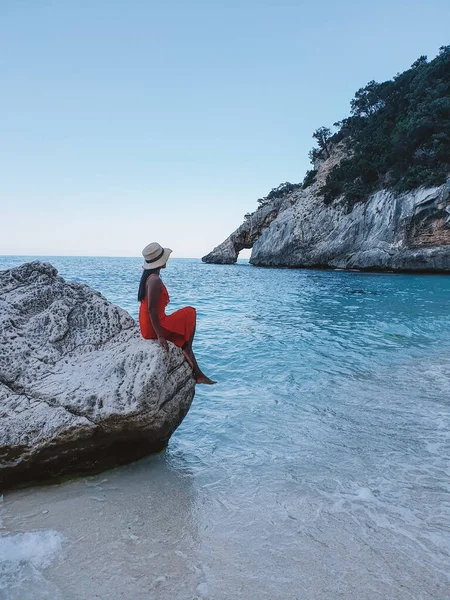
{"points": [[203, 379]]}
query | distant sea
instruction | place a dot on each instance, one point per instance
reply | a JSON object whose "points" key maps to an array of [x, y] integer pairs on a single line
{"points": [[317, 468]]}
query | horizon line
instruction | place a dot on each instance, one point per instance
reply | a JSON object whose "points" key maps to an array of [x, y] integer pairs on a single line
{"points": [[94, 256], [86, 256]]}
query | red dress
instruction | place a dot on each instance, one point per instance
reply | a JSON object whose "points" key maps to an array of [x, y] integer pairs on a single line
{"points": [[177, 327]]}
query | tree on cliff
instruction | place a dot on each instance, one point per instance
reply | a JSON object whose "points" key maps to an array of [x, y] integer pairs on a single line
{"points": [[369, 99], [398, 134], [323, 136]]}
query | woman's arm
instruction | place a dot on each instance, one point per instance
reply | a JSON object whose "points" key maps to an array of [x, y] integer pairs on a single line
{"points": [[154, 288]]}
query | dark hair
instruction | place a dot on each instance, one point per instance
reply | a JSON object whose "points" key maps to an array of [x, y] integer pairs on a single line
{"points": [[145, 275]]}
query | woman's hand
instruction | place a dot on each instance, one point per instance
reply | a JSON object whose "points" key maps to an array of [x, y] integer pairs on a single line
{"points": [[163, 343]]}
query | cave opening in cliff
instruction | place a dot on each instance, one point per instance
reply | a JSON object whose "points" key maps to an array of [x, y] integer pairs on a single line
{"points": [[245, 253]]}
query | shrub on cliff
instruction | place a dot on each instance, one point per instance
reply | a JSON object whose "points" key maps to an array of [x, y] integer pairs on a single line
{"points": [[279, 192], [310, 178], [398, 134]]}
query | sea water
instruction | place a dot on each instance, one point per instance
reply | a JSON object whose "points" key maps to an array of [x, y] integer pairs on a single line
{"points": [[317, 467]]}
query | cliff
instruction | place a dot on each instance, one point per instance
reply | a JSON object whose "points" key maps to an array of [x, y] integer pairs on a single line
{"points": [[407, 232], [399, 232], [79, 387], [247, 234], [378, 196]]}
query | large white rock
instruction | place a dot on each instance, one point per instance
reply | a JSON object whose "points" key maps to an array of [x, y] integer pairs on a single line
{"points": [[79, 387]]}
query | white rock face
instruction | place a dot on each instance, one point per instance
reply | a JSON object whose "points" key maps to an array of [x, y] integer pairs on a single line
{"points": [[79, 387], [246, 235], [408, 232]]}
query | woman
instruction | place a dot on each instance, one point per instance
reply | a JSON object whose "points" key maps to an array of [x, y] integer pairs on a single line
{"points": [[179, 327]]}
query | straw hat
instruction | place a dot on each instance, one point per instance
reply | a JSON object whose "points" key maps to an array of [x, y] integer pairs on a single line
{"points": [[155, 256]]}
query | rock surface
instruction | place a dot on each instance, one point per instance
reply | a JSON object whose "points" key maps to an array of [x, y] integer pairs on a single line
{"points": [[408, 232], [245, 235], [79, 387]]}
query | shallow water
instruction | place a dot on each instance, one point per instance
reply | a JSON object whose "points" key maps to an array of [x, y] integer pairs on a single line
{"points": [[317, 468]]}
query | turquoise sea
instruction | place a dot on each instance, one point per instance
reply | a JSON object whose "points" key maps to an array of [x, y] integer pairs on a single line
{"points": [[316, 469]]}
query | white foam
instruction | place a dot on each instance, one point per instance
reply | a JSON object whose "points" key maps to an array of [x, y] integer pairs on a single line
{"points": [[22, 558], [39, 548], [365, 494]]}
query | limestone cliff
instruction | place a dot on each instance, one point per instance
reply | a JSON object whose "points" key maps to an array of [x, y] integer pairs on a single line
{"points": [[247, 234], [406, 232]]}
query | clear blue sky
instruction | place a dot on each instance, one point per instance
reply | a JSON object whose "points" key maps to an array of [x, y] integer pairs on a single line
{"points": [[124, 122]]}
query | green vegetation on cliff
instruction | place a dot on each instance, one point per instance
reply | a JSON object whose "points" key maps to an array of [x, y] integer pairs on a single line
{"points": [[279, 192], [397, 137]]}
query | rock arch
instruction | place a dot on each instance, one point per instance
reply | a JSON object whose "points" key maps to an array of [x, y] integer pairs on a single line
{"points": [[245, 236]]}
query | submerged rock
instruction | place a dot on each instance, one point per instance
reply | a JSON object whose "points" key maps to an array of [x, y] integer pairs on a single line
{"points": [[79, 387]]}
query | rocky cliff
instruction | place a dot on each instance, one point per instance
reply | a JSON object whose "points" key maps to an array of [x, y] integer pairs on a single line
{"points": [[79, 388], [406, 232], [247, 234]]}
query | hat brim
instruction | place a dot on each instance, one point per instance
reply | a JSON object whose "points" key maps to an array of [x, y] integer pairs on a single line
{"points": [[158, 263]]}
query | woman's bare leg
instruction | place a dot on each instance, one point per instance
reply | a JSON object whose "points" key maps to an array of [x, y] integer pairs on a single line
{"points": [[200, 377]]}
